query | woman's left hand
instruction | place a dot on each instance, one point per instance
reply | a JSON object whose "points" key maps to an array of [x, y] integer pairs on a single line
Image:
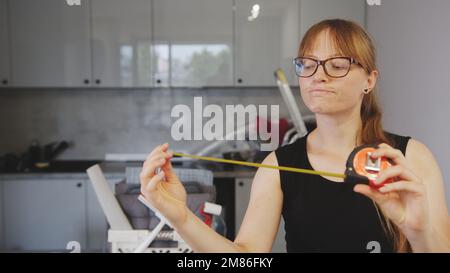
{"points": [[403, 201]]}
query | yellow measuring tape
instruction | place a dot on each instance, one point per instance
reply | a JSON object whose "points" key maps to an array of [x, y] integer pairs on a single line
{"points": [[258, 165], [249, 164]]}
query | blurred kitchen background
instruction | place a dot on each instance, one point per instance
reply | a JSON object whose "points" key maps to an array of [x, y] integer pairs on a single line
{"points": [[79, 82]]}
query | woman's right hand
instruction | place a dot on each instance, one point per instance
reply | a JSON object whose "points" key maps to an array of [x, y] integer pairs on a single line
{"points": [[164, 190]]}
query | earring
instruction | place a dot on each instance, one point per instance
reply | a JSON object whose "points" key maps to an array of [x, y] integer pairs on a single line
{"points": [[366, 91]]}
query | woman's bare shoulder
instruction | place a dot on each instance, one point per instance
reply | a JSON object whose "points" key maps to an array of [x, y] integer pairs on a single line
{"points": [[418, 153]]}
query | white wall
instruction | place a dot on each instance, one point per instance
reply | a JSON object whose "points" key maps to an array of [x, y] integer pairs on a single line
{"points": [[413, 42]]}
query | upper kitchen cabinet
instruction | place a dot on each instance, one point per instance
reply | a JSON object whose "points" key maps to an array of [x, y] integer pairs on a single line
{"points": [[121, 43], [50, 43], [193, 42], [266, 38], [4, 47], [314, 11]]}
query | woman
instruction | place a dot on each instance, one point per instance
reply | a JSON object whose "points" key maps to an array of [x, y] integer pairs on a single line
{"points": [[337, 77]]}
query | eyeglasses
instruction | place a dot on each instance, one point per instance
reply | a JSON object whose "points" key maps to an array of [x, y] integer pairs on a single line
{"points": [[336, 67]]}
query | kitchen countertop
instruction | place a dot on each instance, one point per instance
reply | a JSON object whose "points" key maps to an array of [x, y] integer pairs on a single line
{"points": [[113, 170]]}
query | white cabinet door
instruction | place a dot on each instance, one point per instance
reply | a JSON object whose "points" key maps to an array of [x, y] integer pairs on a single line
{"points": [[50, 43], [44, 214], [121, 43], [267, 37], [242, 196], [193, 42], [4, 46], [314, 11]]}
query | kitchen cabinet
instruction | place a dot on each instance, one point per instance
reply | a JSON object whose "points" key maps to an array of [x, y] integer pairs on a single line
{"points": [[313, 11], [266, 38], [121, 43], [193, 42], [268, 34], [50, 43], [157, 43], [43, 215], [242, 198], [4, 46]]}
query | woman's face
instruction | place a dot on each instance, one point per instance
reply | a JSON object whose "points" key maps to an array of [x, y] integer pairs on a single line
{"points": [[323, 94]]}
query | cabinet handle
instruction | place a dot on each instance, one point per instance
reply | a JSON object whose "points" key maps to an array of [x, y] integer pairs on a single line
{"points": [[79, 185], [4, 81], [86, 81], [241, 184], [239, 80], [158, 81], [97, 81]]}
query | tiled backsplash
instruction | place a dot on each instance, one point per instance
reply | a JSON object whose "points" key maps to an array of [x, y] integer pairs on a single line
{"points": [[101, 121]]}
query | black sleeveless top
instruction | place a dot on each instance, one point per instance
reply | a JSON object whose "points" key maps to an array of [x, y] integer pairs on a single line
{"points": [[325, 216]]}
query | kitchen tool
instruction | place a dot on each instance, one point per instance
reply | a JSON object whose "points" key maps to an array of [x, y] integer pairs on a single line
{"points": [[53, 149], [49, 152]]}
